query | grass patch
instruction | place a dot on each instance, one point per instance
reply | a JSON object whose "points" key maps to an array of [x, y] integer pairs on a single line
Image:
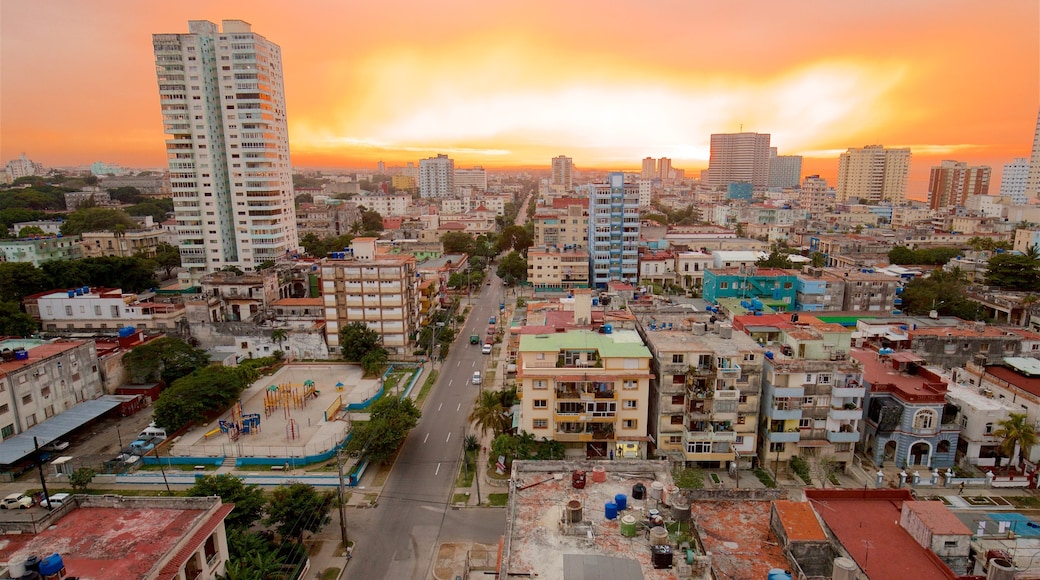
{"points": [[465, 478], [980, 500], [801, 469], [834, 480], [715, 479], [1023, 501], [498, 499], [330, 574], [460, 498], [425, 390], [489, 378], [765, 478]]}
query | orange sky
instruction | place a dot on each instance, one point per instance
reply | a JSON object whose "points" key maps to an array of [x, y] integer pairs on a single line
{"points": [[516, 83]]}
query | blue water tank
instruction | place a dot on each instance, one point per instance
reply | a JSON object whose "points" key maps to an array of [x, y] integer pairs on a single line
{"points": [[610, 510], [21, 354], [595, 301], [52, 565], [756, 304], [621, 501], [86, 289], [72, 293], [769, 354], [608, 328], [79, 292], [778, 574], [126, 331], [635, 296]]}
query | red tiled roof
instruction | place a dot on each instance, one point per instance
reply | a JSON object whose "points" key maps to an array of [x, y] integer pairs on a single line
{"points": [[564, 202], [882, 377], [1028, 384], [938, 518], [799, 521], [172, 567]]}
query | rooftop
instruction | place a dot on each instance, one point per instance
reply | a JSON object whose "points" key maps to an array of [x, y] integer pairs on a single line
{"points": [[620, 343], [926, 386], [1010, 376], [937, 517], [285, 302], [799, 521], [738, 536], [686, 341], [36, 354]]}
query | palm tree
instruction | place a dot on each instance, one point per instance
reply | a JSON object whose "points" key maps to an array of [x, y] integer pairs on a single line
{"points": [[279, 335], [1017, 434], [1033, 252], [489, 413]]}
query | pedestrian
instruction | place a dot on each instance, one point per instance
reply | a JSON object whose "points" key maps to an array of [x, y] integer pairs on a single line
{"points": [[961, 490]]}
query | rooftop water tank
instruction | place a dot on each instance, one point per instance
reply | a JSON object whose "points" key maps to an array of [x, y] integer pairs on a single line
{"points": [[21, 355], [72, 293], [126, 331], [608, 328], [769, 354]]}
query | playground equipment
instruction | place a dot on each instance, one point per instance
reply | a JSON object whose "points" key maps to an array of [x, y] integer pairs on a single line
{"points": [[288, 396], [239, 423]]}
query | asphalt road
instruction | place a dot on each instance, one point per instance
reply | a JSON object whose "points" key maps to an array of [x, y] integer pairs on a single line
{"points": [[415, 501]]}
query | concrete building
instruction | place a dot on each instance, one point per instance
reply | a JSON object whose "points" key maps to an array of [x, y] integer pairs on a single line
{"points": [[436, 177], [554, 268], [785, 171], [1014, 383], [905, 423], [1033, 177], [649, 170], [774, 287], [406, 182], [104, 310], [657, 267], [739, 157], [1025, 239], [587, 390], [325, 219], [174, 538], [816, 197], [705, 390], [816, 293], [74, 199], [22, 167], [950, 184], [873, 174], [241, 297], [646, 193], [387, 204], [1013, 180], [812, 392], [562, 179], [49, 227], [148, 183], [37, 250], [979, 413], [224, 115], [474, 179], [562, 227], [123, 244], [955, 346], [41, 379], [690, 267], [613, 230], [377, 290]]}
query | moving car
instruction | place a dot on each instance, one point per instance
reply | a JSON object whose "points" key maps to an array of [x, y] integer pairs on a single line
{"points": [[476, 379], [491, 320], [16, 501], [474, 339], [55, 501], [486, 349]]}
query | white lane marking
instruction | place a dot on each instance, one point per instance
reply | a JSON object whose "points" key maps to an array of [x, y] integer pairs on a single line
{"points": [[448, 438], [458, 364], [437, 472], [450, 381], [426, 438], [459, 408], [440, 406]]}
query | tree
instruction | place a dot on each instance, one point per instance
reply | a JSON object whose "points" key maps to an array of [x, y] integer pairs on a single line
{"points": [[489, 414], [168, 258], [903, 255], [818, 259], [14, 322], [202, 394], [279, 335], [28, 231], [374, 360], [157, 208], [126, 194], [457, 243], [81, 478], [96, 219], [776, 259], [371, 221], [1016, 434], [1013, 272], [320, 247], [19, 279], [512, 268], [166, 359], [356, 339], [296, 508], [514, 238], [248, 499], [944, 292], [389, 422]]}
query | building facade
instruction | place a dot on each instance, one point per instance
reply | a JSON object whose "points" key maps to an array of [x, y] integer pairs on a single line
{"points": [[739, 157], [37, 250], [873, 174], [562, 174], [950, 184], [785, 171], [474, 179], [123, 244], [613, 230], [436, 177], [550, 268], [224, 115], [1013, 180], [103, 310], [1033, 176]]}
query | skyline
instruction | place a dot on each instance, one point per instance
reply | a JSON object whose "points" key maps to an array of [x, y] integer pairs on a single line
{"points": [[517, 84]]}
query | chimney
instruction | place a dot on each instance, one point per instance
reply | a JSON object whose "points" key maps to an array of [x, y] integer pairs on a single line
{"points": [[582, 306]]}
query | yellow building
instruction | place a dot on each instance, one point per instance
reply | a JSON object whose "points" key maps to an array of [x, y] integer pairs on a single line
{"points": [[587, 390], [122, 244], [403, 182], [551, 268]]}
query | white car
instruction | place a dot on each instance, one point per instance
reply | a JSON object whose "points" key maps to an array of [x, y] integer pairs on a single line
{"points": [[56, 446], [486, 349], [16, 501], [56, 501], [476, 378]]}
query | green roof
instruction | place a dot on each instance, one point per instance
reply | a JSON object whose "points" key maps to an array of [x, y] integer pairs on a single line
{"points": [[620, 343], [842, 320]]}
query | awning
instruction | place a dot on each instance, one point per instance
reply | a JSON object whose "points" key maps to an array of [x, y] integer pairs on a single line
{"points": [[18, 447], [906, 356]]}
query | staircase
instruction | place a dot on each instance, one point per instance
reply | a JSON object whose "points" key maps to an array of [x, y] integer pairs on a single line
{"points": [[228, 464]]}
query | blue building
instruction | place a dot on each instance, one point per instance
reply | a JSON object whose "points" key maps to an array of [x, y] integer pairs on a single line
{"points": [[767, 284], [613, 231], [905, 426], [739, 190]]}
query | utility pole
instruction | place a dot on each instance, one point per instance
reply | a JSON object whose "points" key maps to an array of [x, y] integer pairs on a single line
{"points": [[342, 514], [43, 481], [162, 471]]}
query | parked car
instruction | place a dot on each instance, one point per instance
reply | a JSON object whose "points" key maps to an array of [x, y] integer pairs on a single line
{"points": [[56, 445], [476, 378], [486, 349], [16, 501], [55, 501]]}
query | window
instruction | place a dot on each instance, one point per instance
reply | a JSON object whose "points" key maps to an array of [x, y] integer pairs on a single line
{"points": [[776, 447], [804, 423], [674, 420], [630, 384], [741, 419], [45, 392], [68, 311], [629, 423], [210, 549], [541, 403], [677, 358], [27, 399], [807, 401], [989, 427], [924, 419], [539, 384], [674, 439], [97, 310], [824, 379], [630, 404], [723, 285], [678, 379], [4, 408], [678, 399], [540, 424]]}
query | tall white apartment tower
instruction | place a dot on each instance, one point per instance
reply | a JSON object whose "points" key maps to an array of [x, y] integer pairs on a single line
{"points": [[873, 174], [613, 231], [785, 171], [1013, 180], [437, 177], [227, 145], [1033, 179], [562, 174], [739, 157]]}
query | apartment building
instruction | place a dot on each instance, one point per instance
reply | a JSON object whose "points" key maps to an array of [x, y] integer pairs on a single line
{"points": [[613, 230], [472, 179], [123, 244], [107, 310], [562, 227], [704, 394], [1013, 180], [1026, 239], [816, 197], [224, 114], [554, 268], [812, 392], [436, 177], [785, 171], [378, 290], [950, 184], [873, 174], [325, 219], [657, 267], [1014, 384], [562, 179], [588, 390], [40, 379], [775, 286], [739, 158], [38, 249]]}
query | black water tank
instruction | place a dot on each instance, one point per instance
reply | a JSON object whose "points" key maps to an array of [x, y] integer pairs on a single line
{"points": [[661, 557], [638, 491], [32, 563]]}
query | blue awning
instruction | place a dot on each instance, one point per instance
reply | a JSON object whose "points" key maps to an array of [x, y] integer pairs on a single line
{"points": [[18, 447]]}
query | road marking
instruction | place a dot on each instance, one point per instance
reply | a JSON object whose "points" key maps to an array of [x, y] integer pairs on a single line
{"points": [[459, 408], [448, 438], [450, 381], [439, 406], [426, 438], [458, 364], [437, 472]]}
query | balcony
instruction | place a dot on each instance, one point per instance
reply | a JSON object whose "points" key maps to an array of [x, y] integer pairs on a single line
{"points": [[796, 392], [778, 413], [673, 369], [843, 436], [731, 372], [783, 436], [843, 414], [849, 389]]}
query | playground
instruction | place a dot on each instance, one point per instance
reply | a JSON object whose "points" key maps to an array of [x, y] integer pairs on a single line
{"points": [[299, 412]]}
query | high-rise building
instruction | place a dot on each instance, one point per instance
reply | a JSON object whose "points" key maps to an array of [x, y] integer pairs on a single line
{"points": [[739, 157], [475, 178], [1033, 180], [1013, 180], [649, 168], [815, 197], [873, 174], [785, 171], [613, 230], [664, 169], [562, 173], [950, 184], [227, 145], [23, 167], [437, 177]]}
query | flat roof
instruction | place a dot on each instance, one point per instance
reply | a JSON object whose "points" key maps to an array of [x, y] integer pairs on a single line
{"points": [[799, 521], [17, 447], [619, 343], [938, 518]]}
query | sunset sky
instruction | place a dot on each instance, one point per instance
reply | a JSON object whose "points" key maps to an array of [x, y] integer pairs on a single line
{"points": [[516, 83]]}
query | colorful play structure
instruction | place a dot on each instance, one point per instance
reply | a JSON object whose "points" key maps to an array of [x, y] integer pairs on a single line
{"points": [[289, 396], [239, 423]]}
